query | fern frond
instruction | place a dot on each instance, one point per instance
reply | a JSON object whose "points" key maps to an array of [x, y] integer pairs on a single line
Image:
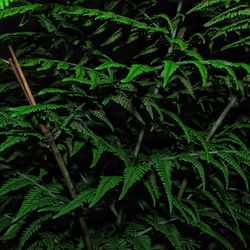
{"points": [[25, 110], [5, 3], [185, 211], [114, 37], [29, 205], [97, 152], [50, 241], [106, 183], [100, 114], [14, 184], [219, 64], [46, 23], [223, 197], [166, 18], [205, 228], [12, 140], [180, 123], [110, 64], [169, 68], [171, 233], [84, 197], [141, 242], [116, 242], [152, 188], [230, 160], [202, 70], [149, 50], [163, 169], [132, 175], [5, 222], [110, 16], [18, 10], [75, 148], [201, 6], [136, 70], [213, 199], [12, 232], [197, 165], [231, 138], [229, 14], [32, 229], [222, 167], [234, 27], [52, 91], [239, 43], [127, 104], [147, 103]]}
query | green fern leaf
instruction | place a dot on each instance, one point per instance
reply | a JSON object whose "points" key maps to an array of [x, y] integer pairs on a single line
{"points": [[97, 152], [100, 114], [186, 211], [239, 43], [216, 235], [149, 50], [109, 65], [132, 175], [76, 147], [127, 104], [215, 202], [171, 233], [194, 54], [24, 110], [163, 169], [46, 23], [5, 3], [222, 167], [12, 140], [227, 66], [33, 205], [152, 188], [230, 160], [201, 6], [14, 184], [181, 124], [169, 68], [12, 232], [197, 165], [203, 71], [165, 17], [52, 91], [178, 41], [18, 10], [114, 37], [32, 229], [84, 197], [147, 103], [142, 242], [136, 70], [106, 183]]}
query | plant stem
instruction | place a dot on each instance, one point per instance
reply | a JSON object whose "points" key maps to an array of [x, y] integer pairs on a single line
{"points": [[60, 162]]}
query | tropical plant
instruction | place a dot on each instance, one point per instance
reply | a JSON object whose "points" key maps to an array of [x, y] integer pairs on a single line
{"points": [[141, 106]]}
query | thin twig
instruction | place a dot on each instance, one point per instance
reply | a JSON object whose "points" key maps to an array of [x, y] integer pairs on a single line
{"points": [[67, 179]]}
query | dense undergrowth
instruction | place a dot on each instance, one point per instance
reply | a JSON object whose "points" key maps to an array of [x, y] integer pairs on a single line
{"points": [[148, 105]]}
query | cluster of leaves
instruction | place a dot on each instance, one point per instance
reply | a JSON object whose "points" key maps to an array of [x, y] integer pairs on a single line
{"points": [[129, 92]]}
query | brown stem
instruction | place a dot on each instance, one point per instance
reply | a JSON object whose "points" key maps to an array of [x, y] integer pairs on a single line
{"points": [[60, 162], [208, 138]]}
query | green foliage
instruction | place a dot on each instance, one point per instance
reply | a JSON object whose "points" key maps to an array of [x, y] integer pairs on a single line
{"points": [[131, 92]]}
